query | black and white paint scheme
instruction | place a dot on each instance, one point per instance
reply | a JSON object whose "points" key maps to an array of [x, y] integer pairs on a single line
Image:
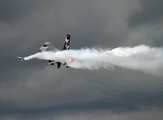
{"points": [[47, 46], [33, 90]]}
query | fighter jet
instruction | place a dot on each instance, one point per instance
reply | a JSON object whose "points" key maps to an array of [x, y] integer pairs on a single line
{"points": [[47, 46]]}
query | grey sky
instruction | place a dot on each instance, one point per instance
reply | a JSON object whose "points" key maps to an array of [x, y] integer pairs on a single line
{"points": [[32, 90]]}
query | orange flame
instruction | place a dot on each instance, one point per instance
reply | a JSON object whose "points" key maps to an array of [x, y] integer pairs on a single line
{"points": [[69, 60]]}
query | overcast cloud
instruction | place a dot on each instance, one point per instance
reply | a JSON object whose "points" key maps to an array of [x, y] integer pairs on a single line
{"points": [[33, 90]]}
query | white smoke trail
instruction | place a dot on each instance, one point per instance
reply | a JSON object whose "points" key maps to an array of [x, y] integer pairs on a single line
{"points": [[141, 57]]}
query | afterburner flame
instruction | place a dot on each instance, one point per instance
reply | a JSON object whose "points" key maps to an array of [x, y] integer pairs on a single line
{"points": [[69, 60]]}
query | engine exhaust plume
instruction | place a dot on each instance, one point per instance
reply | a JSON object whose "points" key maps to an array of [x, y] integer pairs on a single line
{"points": [[143, 58]]}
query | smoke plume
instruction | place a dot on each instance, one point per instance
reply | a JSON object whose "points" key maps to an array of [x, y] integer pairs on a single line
{"points": [[143, 58]]}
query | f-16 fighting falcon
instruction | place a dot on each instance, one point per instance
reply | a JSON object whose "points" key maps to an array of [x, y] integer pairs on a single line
{"points": [[47, 46]]}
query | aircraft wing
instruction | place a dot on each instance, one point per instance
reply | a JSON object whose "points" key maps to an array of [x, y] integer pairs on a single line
{"points": [[67, 42]]}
